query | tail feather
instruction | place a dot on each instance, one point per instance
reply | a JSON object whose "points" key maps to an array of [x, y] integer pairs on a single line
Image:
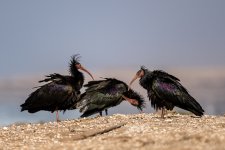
{"points": [[29, 109], [196, 107], [90, 112], [193, 106]]}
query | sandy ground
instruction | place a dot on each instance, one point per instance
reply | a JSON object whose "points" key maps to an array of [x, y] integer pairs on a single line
{"points": [[141, 131]]}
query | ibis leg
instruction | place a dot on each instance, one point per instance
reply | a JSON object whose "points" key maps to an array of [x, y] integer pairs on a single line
{"points": [[106, 112], [100, 113], [163, 113], [57, 116]]}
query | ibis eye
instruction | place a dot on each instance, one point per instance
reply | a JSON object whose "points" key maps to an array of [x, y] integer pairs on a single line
{"points": [[139, 72], [78, 65]]}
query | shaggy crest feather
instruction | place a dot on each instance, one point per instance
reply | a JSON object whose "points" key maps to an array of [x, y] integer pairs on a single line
{"points": [[74, 61]]}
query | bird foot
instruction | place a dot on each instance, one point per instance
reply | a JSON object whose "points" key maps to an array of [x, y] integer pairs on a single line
{"points": [[141, 112], [162, 117]]}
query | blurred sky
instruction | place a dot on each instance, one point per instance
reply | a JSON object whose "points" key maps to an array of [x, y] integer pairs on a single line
{"points": [[114, 38], [40, 36]]}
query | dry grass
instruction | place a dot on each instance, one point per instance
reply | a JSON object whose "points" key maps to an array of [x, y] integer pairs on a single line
{"points": [[141, 131]]}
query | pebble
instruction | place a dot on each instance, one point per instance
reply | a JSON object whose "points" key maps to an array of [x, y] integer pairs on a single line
{"points": [[5, 128]]}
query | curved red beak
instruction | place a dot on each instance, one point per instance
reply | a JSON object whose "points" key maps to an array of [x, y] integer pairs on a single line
{"points": [[135, 77], [85, 70], [131, 101]]}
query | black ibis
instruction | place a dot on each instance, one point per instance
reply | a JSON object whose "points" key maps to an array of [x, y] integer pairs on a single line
{"points": [[103, 94], [165, 91], [60, 92]]}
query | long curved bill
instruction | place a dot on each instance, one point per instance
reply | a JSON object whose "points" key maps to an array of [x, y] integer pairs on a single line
{"points": [[82, 68], [135, 77], [131, 101]]}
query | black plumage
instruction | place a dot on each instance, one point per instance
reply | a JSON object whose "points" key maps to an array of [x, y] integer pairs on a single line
{"points": [[165, 91], [59, 93], [103, 94]]}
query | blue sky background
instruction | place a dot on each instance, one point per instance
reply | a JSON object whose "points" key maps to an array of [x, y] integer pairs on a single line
{"points": [[40, 36]]}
